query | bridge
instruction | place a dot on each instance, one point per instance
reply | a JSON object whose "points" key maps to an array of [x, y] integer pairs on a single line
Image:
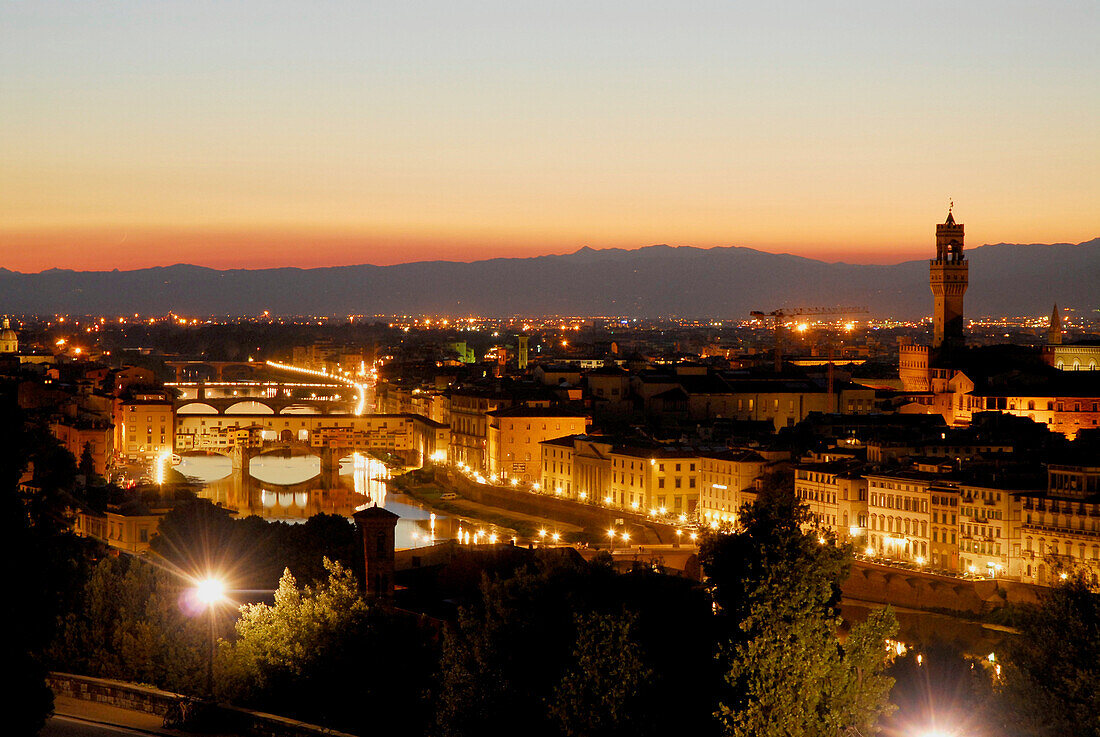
{"points": [[242, 454], [215, 369], [278, 405]]}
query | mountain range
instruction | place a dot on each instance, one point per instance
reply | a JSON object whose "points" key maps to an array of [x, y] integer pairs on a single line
{"points": [[1005, 279]]}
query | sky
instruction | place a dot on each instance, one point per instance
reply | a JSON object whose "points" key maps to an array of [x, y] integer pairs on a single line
{"points": [[249, 135]]}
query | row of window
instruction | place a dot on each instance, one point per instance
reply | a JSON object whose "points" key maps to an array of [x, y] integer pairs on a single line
{"points": [[904, 503]]}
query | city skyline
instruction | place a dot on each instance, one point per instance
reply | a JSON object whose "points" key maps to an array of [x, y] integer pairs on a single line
{"points": [[259, 136]]}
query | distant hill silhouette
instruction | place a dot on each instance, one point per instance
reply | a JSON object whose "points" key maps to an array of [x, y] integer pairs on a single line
{"points": [[1005, 279]]}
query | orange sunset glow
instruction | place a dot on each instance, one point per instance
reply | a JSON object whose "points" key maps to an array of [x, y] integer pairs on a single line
{"points": [[148, 135]]}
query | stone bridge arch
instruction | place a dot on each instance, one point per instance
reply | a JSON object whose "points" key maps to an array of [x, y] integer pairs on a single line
{"points": [[250, 406], [301, 409], [196, 407]]}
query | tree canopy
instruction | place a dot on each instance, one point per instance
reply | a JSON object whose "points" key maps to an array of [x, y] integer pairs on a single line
{"points": [[322, 654], [1052, 668], [49, 561], [540, 648], [776, 583], [133, 623]]}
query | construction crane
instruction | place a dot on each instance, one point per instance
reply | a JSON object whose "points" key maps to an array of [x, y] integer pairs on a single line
{"points": [[780, 315]]}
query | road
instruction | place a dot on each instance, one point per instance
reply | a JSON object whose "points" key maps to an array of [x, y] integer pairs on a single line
{"points": [[64, 726]]}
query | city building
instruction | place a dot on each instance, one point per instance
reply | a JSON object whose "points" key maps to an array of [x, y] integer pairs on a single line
{"points": [[899, 514], [729, 479], [144, 422], [515, 433], [835, 492], [76, 434]]}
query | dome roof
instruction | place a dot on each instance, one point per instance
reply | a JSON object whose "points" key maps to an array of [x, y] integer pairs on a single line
{"points": [[9, 340]]}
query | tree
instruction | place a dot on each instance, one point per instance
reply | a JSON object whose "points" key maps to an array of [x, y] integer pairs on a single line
{"points": [[776, 582], [508, 654], [42, 575], [134, 623], [86, 467], [599, 693], [1052, 668], [321, 654]]}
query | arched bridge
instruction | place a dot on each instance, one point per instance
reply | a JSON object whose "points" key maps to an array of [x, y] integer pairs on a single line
{"points": [[241, 455], [262, 406], [218, 370]]}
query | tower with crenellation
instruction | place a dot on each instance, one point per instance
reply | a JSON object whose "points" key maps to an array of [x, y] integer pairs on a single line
{"points": [[948, 276]]}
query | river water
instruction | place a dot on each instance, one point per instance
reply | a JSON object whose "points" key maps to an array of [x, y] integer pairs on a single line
{"points": [[291, 488]]}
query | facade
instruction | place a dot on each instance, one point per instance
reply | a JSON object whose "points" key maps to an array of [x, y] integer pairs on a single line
{"points": [[144, 425], [515, 434], [97, 435], [786, 403], [962, 524], [836, 495], [1064, 409], [727, 481], [899, 515], [944, 544], [680, 482], [914, 366], [132, 531], [412, 438], [605, 470], [557, 466], [470, 410], [1079, 356], [1059, 532], [986, 530]]}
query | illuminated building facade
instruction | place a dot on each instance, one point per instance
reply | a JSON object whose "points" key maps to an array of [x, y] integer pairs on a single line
{"points": [[515, 434], [144, 425]]}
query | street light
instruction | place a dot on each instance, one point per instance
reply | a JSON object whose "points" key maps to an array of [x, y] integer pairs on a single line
{"points": [[210, 592]]}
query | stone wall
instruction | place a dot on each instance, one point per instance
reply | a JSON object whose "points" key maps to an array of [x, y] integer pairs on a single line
{"points": [[154, 701], [113, 693], [877, 584], [591, 517]]}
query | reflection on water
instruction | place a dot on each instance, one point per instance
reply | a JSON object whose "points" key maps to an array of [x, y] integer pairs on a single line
{"points": [[293, 488], [284, 470]]}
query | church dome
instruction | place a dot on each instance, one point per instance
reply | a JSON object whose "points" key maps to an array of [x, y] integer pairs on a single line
{"points": [[9, 341]]}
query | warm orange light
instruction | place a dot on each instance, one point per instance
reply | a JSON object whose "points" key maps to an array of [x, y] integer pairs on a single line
{"points": [[210, 591]]}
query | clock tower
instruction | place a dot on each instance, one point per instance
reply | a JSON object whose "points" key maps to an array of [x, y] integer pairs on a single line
{"points": [[948, 277]]}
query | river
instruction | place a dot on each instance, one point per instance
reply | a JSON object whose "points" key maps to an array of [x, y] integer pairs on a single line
{"points": [[291, 488]]}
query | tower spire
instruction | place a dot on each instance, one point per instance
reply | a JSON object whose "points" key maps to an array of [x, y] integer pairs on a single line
{"points": [[1054, 331]]}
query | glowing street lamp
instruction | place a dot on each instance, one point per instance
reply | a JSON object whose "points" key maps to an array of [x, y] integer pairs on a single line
{"points": [[210, 592]]}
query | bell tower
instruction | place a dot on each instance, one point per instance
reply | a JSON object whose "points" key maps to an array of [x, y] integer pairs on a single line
{"points": [[1054, 331], [948, 277]]}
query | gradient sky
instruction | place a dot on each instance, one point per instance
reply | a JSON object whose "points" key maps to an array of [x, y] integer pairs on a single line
{"points": [[248, 134]]}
